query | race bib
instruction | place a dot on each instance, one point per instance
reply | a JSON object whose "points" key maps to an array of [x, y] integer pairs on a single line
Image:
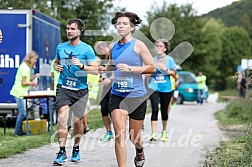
{"points": [[160, 78], [123, 84], [104, 75], [71, 83]]}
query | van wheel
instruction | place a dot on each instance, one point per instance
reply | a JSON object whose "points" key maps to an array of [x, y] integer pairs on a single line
{"points": [[180, 99]]}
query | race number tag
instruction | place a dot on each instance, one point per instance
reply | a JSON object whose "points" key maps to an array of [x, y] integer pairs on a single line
{"points": [[71, 83], [160, 78], [123, 84], [104, 75]]}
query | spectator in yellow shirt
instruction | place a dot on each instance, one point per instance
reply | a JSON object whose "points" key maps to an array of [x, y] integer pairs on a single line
{"points": [[21, 86], [201, 80]]}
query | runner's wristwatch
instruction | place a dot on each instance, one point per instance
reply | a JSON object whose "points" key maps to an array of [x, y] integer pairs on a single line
{"points": [[82, 68], [129, 68]]}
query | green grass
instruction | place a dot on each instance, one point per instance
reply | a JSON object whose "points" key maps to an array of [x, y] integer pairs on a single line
{"points": [[10, 145], [234, 153], [95, 119], [228, 92], [238, 151], [237, 112]]}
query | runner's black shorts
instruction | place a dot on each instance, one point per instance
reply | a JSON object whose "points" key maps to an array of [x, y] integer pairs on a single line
{"points": [[75, 99], [136, 107]]}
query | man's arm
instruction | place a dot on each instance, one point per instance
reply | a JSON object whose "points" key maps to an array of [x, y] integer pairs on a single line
{"points": [[91, 68]]}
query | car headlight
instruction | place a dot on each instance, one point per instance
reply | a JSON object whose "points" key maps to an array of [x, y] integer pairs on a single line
{"points": [[190, 90]]}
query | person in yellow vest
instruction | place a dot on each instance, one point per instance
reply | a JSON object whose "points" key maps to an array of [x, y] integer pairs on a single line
{"points": [[174, 84], [93, 85], [201, 80], [106, 81], [93, 88], [55, 76]]}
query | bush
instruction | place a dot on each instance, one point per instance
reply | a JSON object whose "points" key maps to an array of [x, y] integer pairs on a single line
{"points": [[237, 112]]}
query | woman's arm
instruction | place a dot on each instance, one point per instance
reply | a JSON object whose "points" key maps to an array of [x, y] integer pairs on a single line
{"points": [[25, 83], [146, 56], [171, 72], [109, 65], [148, 68], [35, 76]]}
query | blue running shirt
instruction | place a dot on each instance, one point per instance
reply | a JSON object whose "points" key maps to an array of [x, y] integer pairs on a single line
{"points": [[160, 81], [72, 77], [127, 84]]}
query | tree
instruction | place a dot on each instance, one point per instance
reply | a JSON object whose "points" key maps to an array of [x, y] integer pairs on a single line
{"points": [[96, 14], [42, 6], [217, 49], [235, 46], [188, 27], [211, 48]]}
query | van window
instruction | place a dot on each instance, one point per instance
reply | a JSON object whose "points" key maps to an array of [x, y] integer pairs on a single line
{"points": [[187, 78]]}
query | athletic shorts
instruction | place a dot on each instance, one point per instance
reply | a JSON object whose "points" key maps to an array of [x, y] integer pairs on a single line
{"points": [[136, 107], [75, 99]]}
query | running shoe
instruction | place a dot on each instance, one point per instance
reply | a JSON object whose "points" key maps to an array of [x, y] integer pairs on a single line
{"points": [[153, 137], [61, 158], [86, 130], [164, 136], [139, 159], [75, 155], [174, 105], [107, 137]]}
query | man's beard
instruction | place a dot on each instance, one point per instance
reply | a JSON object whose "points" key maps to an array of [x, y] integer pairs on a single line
{"points": [[74, 38]]}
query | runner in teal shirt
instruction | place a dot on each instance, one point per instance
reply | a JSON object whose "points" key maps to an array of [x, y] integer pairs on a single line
{"points": [[160, 84], [74, 59]]}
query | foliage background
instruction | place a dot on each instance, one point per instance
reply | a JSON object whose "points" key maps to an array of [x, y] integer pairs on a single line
{"points": [[220, 38]]}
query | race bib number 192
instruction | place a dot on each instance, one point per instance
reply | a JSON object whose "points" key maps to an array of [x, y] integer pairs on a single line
{"points": [[123, 84]]}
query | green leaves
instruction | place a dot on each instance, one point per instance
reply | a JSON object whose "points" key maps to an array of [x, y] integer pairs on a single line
{"points": [[217, 49]]}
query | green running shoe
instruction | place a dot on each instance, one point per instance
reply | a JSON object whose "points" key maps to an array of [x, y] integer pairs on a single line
{"points": [[164, 136], [107, 137], [153, 137]]}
